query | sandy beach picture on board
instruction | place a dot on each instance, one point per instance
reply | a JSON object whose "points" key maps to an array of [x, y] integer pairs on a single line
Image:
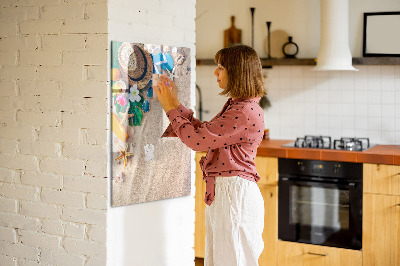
{"points": [[146, 167]]}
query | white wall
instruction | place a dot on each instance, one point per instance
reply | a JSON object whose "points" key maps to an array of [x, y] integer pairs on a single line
{"points": [[338, 104], [161, 232], [299, 18]]}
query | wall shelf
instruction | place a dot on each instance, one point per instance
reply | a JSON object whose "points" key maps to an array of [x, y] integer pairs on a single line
{"points": [[312, 61]]}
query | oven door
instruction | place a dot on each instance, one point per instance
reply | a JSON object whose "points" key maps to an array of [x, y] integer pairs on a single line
{"points": [[321, 212]]}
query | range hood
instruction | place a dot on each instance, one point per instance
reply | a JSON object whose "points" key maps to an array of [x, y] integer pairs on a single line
{"points": [[334, 51]]}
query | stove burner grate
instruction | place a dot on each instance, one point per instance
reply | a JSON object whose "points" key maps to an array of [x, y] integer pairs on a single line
{"points": [[351, 144], [321, 142]]}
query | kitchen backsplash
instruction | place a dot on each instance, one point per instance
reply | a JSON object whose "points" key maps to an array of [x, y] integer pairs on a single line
{"points": [[338, 104]]}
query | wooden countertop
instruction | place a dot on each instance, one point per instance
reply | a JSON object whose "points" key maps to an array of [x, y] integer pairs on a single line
{"points": [[379, 154]]}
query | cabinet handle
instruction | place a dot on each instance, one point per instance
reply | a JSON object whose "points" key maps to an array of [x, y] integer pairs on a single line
{"points": [[398, 204], [318, 254]]}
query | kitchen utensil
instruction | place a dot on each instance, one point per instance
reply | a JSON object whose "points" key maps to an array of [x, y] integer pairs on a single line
{"points": [[232, 35]]}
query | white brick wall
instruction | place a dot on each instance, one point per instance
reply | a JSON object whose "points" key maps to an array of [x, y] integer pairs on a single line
{"points": [[53, 88]]}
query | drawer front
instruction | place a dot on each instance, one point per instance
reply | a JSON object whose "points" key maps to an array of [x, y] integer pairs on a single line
{"points": [[381, 179], [294, 254]]}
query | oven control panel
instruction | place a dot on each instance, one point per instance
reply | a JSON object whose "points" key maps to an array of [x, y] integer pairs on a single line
{"points": [[330, 169]]}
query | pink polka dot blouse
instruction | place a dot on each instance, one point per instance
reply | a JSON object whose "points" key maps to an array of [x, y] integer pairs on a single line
{"points": [[231, 139]]}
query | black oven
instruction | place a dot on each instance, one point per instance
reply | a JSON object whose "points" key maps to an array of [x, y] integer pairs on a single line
{"points": [[320, 202]]}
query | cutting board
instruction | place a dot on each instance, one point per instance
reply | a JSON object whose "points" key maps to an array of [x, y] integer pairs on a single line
{"points": [[232, 35]]}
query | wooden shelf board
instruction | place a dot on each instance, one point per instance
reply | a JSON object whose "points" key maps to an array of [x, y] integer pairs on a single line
{"points": [[376, 61], [265, 62]]}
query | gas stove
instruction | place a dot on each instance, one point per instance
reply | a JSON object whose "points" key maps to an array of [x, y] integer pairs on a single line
{"points": [[325, 142]]}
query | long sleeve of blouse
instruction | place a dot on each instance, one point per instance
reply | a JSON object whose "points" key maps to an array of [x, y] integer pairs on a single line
{"points": [[186, 113], [223, 131]]}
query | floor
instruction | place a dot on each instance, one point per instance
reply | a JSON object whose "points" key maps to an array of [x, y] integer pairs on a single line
{"points": [[199, 262]]}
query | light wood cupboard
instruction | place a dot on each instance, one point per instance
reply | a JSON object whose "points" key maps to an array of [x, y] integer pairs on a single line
{"points": [[381, 215], [200, 207], [267, 167], [270, 233], [381, 230], [381, 179], [298, 254]]}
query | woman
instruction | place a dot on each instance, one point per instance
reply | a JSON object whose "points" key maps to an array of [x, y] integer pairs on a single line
{"points": [[235, 207]]}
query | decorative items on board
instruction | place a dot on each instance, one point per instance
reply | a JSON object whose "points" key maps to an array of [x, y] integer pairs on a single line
{"points": [[141, 159]]}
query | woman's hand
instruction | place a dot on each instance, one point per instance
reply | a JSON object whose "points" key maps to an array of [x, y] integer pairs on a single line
{"points": [[164, 94], [174, 90]]}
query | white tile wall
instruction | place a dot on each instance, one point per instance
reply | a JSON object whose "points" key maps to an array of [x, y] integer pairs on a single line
{"points": [[338, 104]]}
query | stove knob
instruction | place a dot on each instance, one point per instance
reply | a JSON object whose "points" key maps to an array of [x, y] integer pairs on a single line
{"points": [[336, 169], [301, 166]]}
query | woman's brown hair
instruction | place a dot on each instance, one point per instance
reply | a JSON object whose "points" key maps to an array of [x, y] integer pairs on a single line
{"points": [[245, 78]]}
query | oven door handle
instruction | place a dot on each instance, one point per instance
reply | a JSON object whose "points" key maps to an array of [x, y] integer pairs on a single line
{"points": [[330, 184]]}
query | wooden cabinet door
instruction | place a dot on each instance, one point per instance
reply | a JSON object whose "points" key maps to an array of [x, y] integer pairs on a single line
{"points": [[381, 230], [267, 168], [298, 254], [270, 233], [200, 207], [381, 179]]}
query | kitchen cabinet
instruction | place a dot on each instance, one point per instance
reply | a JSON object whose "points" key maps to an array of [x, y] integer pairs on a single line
{"points": [[381, 179], [200, 207], [267, 167], [381, 230], [298, 254], [381, 215], [270, 233]]}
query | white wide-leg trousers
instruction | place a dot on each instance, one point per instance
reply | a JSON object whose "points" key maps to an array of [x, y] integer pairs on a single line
{"points": [[234, 223]]}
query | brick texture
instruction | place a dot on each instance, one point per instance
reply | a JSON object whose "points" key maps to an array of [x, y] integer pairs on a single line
{"points": [[53, 123], [62, 258], [8, 234], [53, 227], [84, 247], [37, 209], [34, 239], [84, 216], [8, 205], [53, 120], [63, 197], [75, 230], [41, 179]]}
